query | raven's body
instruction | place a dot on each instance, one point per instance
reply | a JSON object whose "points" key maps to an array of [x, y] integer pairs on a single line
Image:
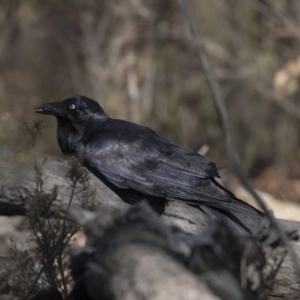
{"points": [[137, 164]]}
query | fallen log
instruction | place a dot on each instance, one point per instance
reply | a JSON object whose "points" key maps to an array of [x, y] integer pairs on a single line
{"points": [[18, 178], [134, 255]]}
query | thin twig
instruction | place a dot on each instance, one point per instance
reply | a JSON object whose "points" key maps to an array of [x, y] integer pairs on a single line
{"points": [[60, 244], [34, 283], [220, 107]]}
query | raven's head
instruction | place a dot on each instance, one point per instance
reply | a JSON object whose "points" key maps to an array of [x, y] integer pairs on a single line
{"points": [[72, 110], [77, 117]]}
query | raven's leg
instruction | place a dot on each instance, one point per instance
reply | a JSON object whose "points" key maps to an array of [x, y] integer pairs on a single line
{"points": [[131, 196], [158, 204]]}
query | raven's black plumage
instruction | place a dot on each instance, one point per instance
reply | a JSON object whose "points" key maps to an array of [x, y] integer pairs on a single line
{"points": [[137, 164]]}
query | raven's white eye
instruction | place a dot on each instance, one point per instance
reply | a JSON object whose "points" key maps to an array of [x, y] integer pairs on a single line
{"points": [[72, 106]]}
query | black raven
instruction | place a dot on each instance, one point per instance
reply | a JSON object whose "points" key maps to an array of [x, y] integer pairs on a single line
{"points": [[136, 163]]}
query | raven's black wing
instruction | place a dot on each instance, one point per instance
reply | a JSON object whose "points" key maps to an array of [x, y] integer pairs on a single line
{"points": [[132, 156], [137, 158]]}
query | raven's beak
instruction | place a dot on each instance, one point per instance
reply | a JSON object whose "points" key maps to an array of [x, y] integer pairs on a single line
{"points": [[56, 109]]}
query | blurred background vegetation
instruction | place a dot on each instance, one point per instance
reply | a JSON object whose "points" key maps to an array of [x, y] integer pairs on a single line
{"points": [[137, 59]]}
